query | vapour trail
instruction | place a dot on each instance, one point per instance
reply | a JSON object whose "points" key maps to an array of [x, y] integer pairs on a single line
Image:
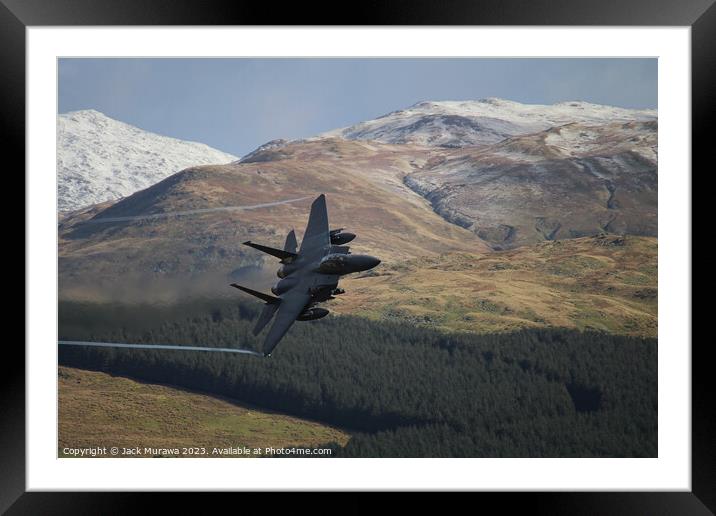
{"points": [[192, 212], [157, 346]]}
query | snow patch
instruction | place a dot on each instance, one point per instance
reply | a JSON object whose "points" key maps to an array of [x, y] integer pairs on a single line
{"points": [[101, 159], [485, 121]]}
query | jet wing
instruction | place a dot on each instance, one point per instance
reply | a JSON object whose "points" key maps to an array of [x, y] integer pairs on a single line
{"points": [[317, 234], [292, 304], [278, 253]]}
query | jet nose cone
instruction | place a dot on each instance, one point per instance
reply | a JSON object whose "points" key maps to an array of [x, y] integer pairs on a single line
{"points": [[371, 262], [361, 262]]}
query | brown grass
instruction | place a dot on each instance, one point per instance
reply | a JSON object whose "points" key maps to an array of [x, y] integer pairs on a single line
{"points": [[99, 410], [585, 283]]}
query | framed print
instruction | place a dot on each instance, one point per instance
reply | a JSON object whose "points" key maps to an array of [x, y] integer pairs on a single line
{"points": [[438, 250]]}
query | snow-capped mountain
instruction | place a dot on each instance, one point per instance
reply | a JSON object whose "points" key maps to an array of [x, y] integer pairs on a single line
{"points": [[485, 121], [101, 159]]}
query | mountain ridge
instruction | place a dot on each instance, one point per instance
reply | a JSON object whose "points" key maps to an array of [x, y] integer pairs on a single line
{"points": [[477, 122], [406, 201], [101, 159]]}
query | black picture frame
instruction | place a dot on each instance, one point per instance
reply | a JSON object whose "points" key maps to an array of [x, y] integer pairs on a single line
{"points": [[700, 15]]}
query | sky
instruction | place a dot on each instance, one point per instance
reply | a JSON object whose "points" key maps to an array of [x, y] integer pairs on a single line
{"points": [[235, 105]]}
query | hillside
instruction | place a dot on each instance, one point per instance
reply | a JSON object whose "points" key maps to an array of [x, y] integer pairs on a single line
{"points": [[365, 191], [96, 409], [473, 235], [604, 283], [565, 182], [101, 159]]}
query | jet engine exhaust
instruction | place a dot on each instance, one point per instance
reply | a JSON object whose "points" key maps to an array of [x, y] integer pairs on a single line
{"points": [[157, 346]]}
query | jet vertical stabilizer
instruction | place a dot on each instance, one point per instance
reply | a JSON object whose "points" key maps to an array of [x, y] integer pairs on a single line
{"points": [[291, 244]]}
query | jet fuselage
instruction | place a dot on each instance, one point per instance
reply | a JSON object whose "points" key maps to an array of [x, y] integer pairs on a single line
{"points": [[309, 275], [333, 263]]}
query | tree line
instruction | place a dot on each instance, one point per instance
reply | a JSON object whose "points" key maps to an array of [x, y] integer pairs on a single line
{"points": [[400, 390]]}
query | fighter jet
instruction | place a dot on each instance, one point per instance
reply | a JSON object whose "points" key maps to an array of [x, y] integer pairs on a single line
{"points": [[308, 276]]}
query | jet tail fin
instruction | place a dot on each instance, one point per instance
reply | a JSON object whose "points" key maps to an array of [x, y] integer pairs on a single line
{"points": [[278, 253], [265, 317], [264, 297], [317, 232], [291, 245]]}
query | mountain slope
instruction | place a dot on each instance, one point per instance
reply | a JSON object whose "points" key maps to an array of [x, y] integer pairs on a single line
{"points": [[101, 159], [477, 122], [365, 191], [606, 283], [565, 182], [428, 211]]}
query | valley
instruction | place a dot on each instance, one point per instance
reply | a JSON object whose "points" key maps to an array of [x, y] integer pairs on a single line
{"points": [[514, 311]]}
